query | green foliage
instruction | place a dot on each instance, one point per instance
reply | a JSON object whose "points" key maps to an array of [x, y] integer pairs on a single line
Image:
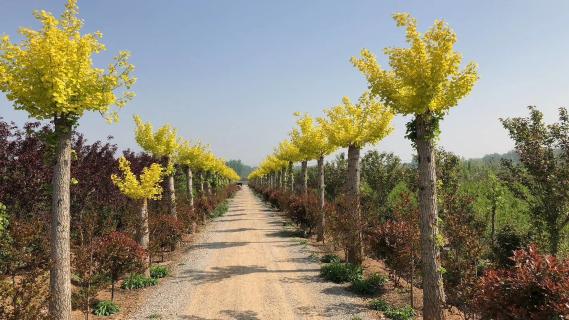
{"points": [[379, 305], [543, 171], [338, 272], [220, 210], [159, 272], [404, 313], [138, 281], [105, 308], [369, 285], [329, 258], [3, 218]]}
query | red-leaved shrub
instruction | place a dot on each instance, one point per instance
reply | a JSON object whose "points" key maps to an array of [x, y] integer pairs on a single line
{"points": [[536, 288], [118, 254], [165, 233]]}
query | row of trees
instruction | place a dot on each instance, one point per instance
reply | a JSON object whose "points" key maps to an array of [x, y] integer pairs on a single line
{"points": [[425, 80], [496, 250], [50, 75]]}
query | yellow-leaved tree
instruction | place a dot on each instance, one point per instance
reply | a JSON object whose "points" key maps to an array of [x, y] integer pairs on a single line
{"points": [[353, 126], [312, 143], [162, 144], [145, 187], [425, 80], [191, 157], [289, 153], [50, 74]]}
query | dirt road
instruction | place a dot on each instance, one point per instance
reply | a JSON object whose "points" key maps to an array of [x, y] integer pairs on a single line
{"points": [[248, 265]]}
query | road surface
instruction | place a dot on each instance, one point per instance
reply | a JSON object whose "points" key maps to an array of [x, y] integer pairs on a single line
{"points": [[249, 265]]}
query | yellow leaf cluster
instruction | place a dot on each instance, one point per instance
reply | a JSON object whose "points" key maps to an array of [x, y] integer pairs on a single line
{"points": [[310, 139], [425, 77], [50, 73], [287, 151], [271, 164], [368, 121], [162, 143], [199, 158], [147, 186]]}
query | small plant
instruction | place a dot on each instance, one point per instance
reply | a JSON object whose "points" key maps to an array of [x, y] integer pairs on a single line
{"points": [[379, 305], [368, 286], [154, 316], [340, 272], [159, 272], [329, 258], [404, 313], [138, 281], [105, 308], [220, 210]]}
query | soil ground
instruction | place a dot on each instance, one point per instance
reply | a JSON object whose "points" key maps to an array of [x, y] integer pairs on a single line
{"points": [[249, 264]]}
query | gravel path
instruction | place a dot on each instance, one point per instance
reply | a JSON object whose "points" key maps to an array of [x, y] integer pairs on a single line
{"points": [[247, 265]]}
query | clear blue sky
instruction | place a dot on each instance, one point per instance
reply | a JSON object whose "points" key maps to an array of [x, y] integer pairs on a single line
{"points": [[231, 73]]}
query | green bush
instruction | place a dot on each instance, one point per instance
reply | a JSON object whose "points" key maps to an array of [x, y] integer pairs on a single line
{"points": [[329, 258], [137, 281], [157, 272], [220, 210], [338, 272], [404, 313], [105, 308], [368, 286], [379, 305]]}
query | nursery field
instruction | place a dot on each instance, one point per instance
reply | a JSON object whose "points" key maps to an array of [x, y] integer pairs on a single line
{"points": [[329, 223]]}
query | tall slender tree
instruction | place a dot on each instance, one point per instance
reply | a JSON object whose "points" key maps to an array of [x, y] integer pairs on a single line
{"points": [[50, 74], [288, 152], [313, 143], [353, 126], [162, 144], [142, 188], [191, 157], [425, 80]]}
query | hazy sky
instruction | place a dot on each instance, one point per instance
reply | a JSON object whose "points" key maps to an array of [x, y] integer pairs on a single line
{"points": [[231, 73]]}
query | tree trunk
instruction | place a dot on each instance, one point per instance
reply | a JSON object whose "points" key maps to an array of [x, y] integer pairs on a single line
{"points": [[321, 199], [291, 176], [304, 177], [172, 195], [190, 186], [355, 249], [208, 187], [201, 183], [433, 292], [144, 236], [60, 271], [190, 191]]}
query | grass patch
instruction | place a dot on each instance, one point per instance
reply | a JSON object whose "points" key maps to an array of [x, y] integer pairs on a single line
{"points": [[393, 313], [220, 210], [138, 281], [338, 272], [105, 308], [368, 286], [379, 305], [329, 258], [157, 272], [403, 313]]}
